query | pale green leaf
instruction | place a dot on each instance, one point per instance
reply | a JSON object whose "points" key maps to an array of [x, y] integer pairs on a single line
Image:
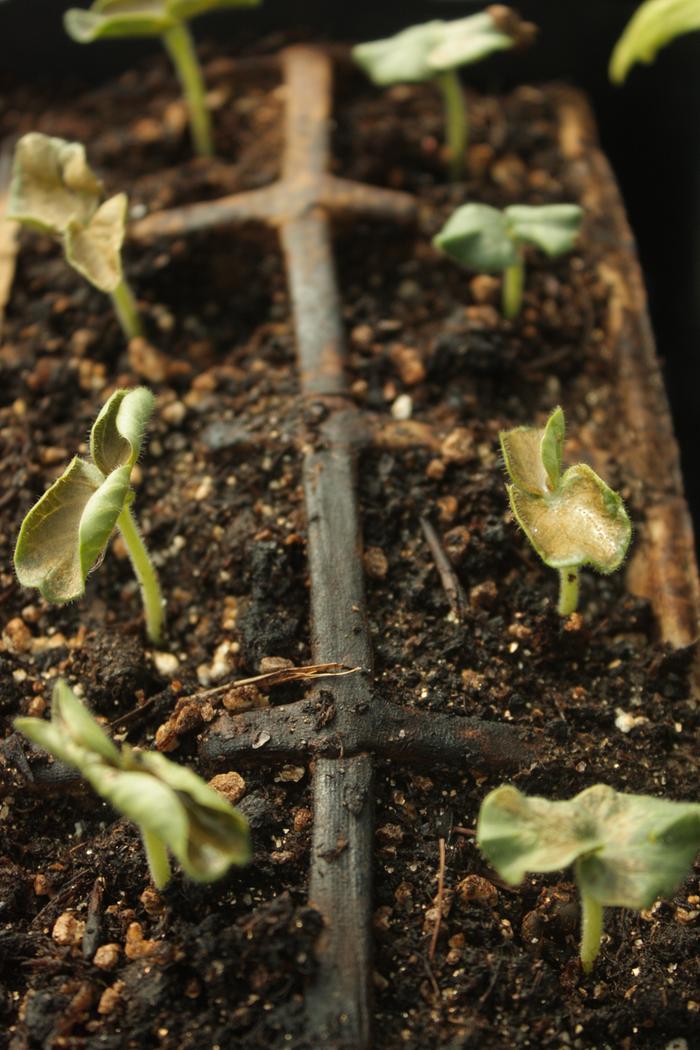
{"points": [[582, 522], [552, 446], [653, 25], [628, 849], [51, 739], [477, 236], [468, 40], [117, 18], [551, 227], [117, 433], [146, 801], [47, 555], [99, 518], [403, 58], [52, 184], [524, 457], [94, 249]]}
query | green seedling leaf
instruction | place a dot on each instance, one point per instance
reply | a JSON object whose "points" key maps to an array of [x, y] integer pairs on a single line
{"points": [[94, 250], [52, 185], [478, 237], [66, 533], [571, 519], [117, 433], [627, 849], [551, 227], [422, 52], [117, 18], [485, 239], [173, 808], [653, 25]]}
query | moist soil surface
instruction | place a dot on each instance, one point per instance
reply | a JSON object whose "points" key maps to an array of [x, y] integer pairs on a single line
{"points": [[220, 503]]}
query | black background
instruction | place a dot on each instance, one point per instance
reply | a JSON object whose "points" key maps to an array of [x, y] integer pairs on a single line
{"points": [[650, 128]]}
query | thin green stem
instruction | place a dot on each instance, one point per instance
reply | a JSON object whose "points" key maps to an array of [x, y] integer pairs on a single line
{"points": [[126, 310], [591, 931], [180, 45], [456, 121], [568, 590], [512, 293], [145, 573]]}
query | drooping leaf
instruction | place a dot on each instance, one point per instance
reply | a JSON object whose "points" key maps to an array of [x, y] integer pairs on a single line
{"points": [[477, 237], [52, 184], [551, 227], [573, 519], [628, 849], [99, 518], [47, 555], [653, 25], [117, 433], [94, 249], [174, 809]]}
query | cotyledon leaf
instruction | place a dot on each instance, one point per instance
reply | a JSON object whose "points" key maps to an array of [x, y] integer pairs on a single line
{"points": [[94, 249], [551, 227], [653, 25], [52, 184], [117, 433]]}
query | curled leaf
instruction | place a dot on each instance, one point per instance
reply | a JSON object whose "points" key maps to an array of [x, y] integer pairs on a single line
{"points": [[94, 249], [571, 520], [628, 849], [117, 433], [122, 18], [653, 25], [52, 184]]}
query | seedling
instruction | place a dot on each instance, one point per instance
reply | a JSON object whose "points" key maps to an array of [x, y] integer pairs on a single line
{"points": [[66, 533], [435, 51], [174, 809], [627, 850], [653, 25], [54, 190], [167, 19], [571, 519], [485, 239]]}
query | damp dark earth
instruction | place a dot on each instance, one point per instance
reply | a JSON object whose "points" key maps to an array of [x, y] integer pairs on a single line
{"points": [[91, 955]]}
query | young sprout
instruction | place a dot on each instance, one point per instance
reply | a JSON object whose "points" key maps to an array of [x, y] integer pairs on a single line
{"points": [[66, 533], [435, 51], [627, 850], [653, 25], [54, 190], [167, 19], [571, 519], [174, 809], [485, 239]]}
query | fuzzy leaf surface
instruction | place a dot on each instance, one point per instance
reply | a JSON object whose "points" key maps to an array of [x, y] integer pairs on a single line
{"points": [[653, 25], [117, 433], [52, 184], [628, 849]]}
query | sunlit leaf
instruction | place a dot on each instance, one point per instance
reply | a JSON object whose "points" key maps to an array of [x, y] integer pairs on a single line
{"points": [[653, 25], [468, 40], [52, 184], [73, 720], [117, 18]]}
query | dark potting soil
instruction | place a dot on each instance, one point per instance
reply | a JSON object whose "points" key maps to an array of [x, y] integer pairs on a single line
{"points": [[220, 503]]}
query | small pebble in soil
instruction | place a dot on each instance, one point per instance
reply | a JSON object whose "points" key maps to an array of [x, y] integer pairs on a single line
{"points": [[402, 408], [68, 930], [231, 785], [107, 956]]}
